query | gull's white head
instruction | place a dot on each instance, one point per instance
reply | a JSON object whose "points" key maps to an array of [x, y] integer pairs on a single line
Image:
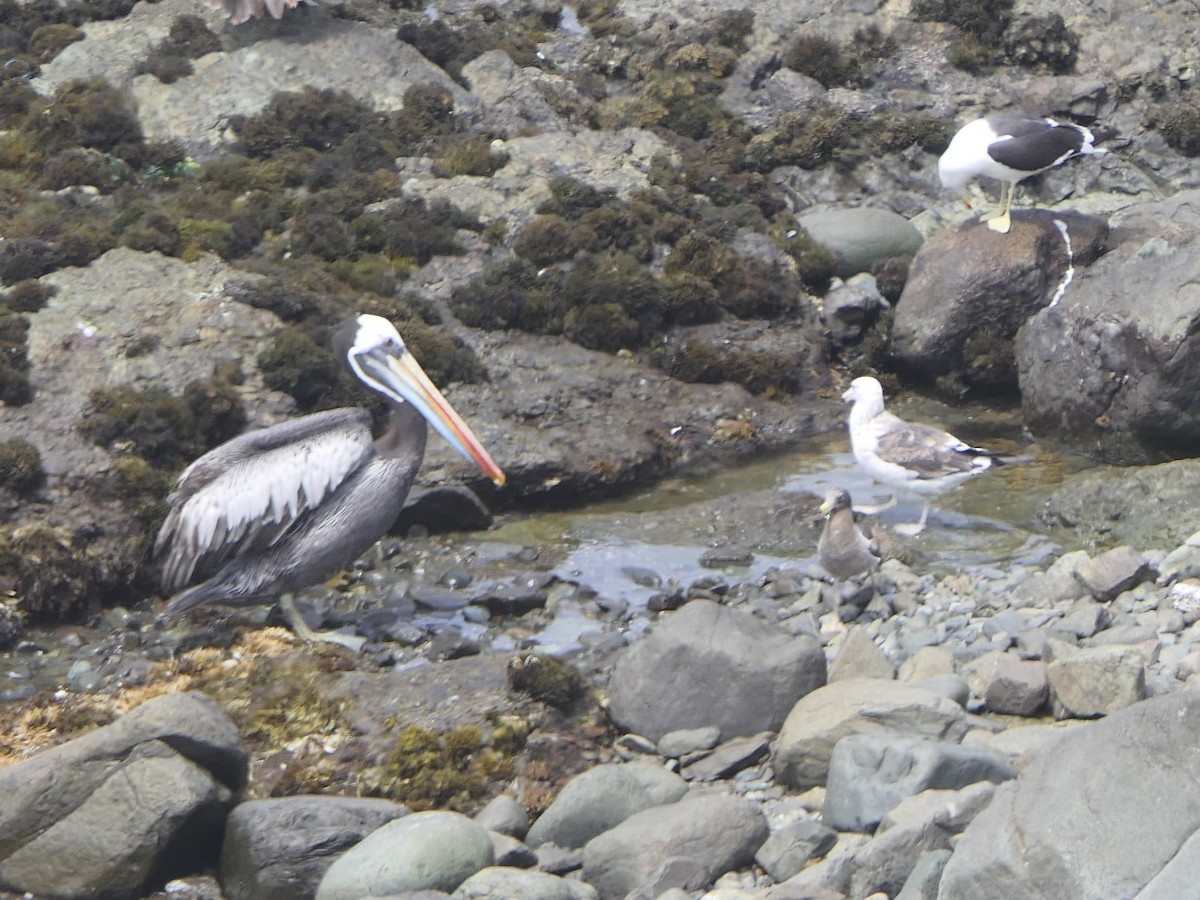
{"points": [[866, 390]]}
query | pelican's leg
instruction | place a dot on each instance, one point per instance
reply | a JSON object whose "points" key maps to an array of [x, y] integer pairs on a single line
{"points": [[1002, 221], [287, 605], [915, 528]]}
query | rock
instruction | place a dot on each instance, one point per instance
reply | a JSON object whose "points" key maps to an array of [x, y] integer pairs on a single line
{"points": [[707, 664], [166, 772], [511, 853], [861, 237], [817, 722], [679, 743], [951, 810], [1112, 572], [1017, 687], [729, 758], [1145, 506], [425, 850], [446, 507], [1181, 563], [927, 662], [860, 657], [830, 876], [1084, 618], [849, 309], [1038, 838], [501, 883], [884, 864], [505, 814], [602, 797], [686, 844], [967, 295], [279, 849], [922, 883], [1096, 681], [869, 774], [1087, 375], [1056, 584], [789, 849]]}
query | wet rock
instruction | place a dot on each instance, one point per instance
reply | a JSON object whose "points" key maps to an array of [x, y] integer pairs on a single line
{"points": [[278, 849], [1112, 572], [504, 814], [438, 850], [601, 798], [1017, 687], [1096, 681], [817, 722], [860, 657], [862, 236], [968, 294], [1041, 829], [504, 883], [512, 599], [685, 844], [165, 771], [869, 774], [789, 848], [707, 664], [1087, 374], [721, 557]]}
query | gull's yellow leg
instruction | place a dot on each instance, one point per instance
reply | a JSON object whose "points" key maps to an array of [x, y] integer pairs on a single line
{"points": [[1002, 221]]}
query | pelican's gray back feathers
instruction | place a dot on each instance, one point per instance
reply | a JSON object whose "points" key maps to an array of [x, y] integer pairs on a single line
{"points": [[248, 493]]}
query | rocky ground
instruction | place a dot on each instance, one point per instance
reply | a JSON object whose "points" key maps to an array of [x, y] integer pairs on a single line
{"points": [[618, 233]]}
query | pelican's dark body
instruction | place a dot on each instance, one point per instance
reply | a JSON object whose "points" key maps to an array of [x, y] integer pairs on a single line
{"points": [[319, 542], [279, 509]]}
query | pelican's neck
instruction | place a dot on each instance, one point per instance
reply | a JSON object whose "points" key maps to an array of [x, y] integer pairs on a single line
{"points": [[405, 435]]}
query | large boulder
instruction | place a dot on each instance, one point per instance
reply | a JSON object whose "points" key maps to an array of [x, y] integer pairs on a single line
{"points": [[708, 664], [970, 289], [1111, 810], [166, 773], [1112, 368]]}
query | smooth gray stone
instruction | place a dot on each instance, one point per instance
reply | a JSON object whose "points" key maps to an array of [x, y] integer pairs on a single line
{"points": [[504, 813], [789, 849], [922, 883], [502, 883], [862, 236]]}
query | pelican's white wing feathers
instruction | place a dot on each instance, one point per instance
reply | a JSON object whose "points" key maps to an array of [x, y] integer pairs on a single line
{"points": [[253, 489]]}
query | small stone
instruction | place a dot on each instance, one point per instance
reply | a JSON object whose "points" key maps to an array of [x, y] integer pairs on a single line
{"points": [[729, 758], [675, 744], [1017, 687], [1112, 572]]}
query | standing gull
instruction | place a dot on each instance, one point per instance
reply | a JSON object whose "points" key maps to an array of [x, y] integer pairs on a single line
{"points": [[276, 510], [843, 549], [906, 455], [1011, 147]]}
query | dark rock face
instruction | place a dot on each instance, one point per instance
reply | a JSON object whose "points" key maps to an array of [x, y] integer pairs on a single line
{"points": [[971, 289], [280, 848], [1111, 811], [1112, 369], [710, 665], [166, 773]]}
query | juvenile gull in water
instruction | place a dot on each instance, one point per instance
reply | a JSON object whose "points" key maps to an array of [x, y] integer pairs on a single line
{"points": [[906, 455], [844, 550], [1011, 147]]}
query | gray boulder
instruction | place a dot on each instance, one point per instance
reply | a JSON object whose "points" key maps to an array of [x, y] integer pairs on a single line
{"points": [[166, 772], [686, 844], [278, 849], [968, 292], [426, 850], [503, 883], [789, 849], [1109, 372], [1017, 687], [707, 664], [600, 798], [869, 774], [818, 721], [1108, 810], [1096, 681], [505, 814], [861, 237]]}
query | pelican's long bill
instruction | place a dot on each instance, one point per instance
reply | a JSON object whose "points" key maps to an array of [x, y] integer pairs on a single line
{"points": [[393, 370]]}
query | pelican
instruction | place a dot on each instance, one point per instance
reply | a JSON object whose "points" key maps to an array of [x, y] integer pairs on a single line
{"points": [[907, 455], [276, 510], [1010, 148], [240, 11]]}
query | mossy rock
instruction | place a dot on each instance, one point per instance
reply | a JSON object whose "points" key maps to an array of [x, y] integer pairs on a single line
{"points": [[547, 678], [20, 466]]}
